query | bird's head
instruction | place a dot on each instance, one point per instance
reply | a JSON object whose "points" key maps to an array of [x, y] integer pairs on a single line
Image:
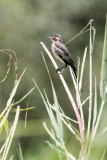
{"points": [[56, 38]]}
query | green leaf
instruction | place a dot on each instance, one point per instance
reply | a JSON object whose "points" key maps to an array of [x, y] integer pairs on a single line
{"points": [[95, 106], [23, 97], [20, 154], [103, 155], [1, 128], [48, 108], [6, 126], [10, 136], [55, 147], [26, 109], [4, 117], [14, 90], [59, 121], [103, 81], [51, 114]]}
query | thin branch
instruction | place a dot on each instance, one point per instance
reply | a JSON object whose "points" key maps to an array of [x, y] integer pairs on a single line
{"points": [[85, 100], [81, 32]]}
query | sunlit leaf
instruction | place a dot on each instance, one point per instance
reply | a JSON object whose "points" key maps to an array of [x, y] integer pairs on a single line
{"points": [[1, 128], [6, 126], [4, 117]]}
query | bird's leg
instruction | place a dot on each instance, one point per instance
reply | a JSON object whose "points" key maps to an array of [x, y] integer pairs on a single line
{"points": [[61, 69]]}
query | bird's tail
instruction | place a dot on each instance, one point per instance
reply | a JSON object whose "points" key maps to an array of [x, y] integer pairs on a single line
{"points": [[71, 63], [74, 72]]}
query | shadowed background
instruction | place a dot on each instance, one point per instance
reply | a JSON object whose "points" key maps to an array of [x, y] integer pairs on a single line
{"points": [[23, 25]]}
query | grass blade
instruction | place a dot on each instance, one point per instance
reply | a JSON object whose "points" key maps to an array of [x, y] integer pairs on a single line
{"points": [[82, 69], [103, 81], [59, 121], [91, 45], [12, 95], [49, 110], [95, 106], [11, 134]]}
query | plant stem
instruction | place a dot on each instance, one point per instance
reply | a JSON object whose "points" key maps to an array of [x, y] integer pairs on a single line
{"points": [[69, 95]]}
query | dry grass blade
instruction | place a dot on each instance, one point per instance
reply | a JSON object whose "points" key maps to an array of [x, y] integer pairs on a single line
{"points": [[12, 56]]}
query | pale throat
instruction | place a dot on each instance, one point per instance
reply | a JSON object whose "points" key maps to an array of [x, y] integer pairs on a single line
{"points": [[55, 51]]}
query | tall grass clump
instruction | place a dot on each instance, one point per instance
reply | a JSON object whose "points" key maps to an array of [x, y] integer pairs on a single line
{"points": [[86, 132], [10, 107]]}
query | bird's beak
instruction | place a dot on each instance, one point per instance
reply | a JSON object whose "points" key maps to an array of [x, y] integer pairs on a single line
{"points": [[49, 37]]}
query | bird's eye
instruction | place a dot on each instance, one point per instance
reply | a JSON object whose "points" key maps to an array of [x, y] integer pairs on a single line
{"points": [[54, 38]]}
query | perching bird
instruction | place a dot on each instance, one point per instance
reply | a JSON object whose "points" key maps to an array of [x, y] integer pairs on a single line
{"points": [[61, 53]]}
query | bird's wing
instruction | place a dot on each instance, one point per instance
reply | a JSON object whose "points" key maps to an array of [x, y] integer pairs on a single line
{"points": [[64, 53]]}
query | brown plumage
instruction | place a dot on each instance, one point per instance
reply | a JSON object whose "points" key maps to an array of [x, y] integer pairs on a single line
{"points": [[61, 53]]}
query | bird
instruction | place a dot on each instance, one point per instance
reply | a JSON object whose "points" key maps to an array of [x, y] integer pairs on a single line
{"points": [[61, 52]]}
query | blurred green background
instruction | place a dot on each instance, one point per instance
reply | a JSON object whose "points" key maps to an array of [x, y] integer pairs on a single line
{"points": [[23, 25]]}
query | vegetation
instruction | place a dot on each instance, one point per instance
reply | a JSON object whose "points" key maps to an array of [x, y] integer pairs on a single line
{"points": [[76, 127], [57, 120]]}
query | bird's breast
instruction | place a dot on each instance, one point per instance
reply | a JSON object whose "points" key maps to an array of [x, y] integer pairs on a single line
{"points": [[55, 52]]}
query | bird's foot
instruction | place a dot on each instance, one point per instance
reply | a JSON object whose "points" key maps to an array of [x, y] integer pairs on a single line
{"points": [[59, 71]]}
